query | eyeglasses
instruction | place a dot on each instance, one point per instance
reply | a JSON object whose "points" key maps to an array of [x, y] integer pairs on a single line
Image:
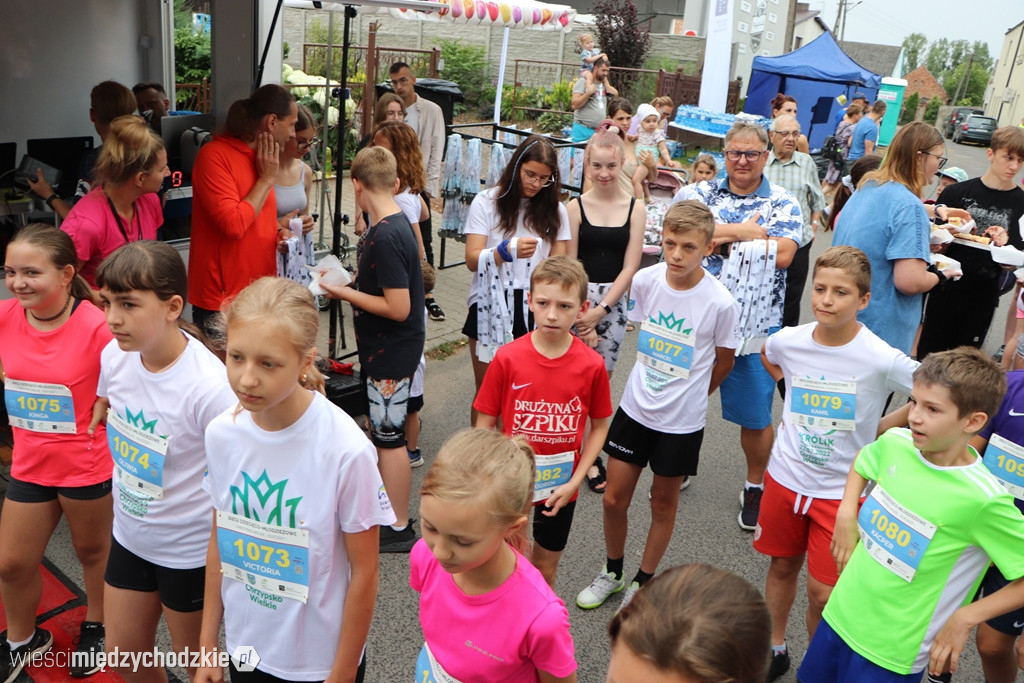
{"points": [[942, 160], [534, 179], [303, 144], [666, 114], [787, 133], [399, 81], [750, 155]]}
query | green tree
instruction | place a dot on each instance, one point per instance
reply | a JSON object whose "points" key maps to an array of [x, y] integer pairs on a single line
{"points": [[191, 49], [913, 51], [466, 65], [937, 58], [909, 111], [968, 90], [931, 112], [979, 49]]}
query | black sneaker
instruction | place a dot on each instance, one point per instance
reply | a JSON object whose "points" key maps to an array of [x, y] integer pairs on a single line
{"points": [[84, 660], [13, 661], [779, 665], [434, 310], [750, 499], [392, 541]]}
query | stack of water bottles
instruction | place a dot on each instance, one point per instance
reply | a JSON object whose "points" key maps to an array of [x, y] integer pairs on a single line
{"points": [[712, 122]]}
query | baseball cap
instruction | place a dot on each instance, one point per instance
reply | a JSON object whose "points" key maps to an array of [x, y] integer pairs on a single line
{"points": [[859, 96], [955, 172]]}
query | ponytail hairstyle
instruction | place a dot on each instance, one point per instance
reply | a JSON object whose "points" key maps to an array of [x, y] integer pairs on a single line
{"points": [[244, 116], [149, 266], [541, 211], [485, 465], [699, 622], [131, 147], [780, 100], [60, 250], [605, 139], [287, 305]]}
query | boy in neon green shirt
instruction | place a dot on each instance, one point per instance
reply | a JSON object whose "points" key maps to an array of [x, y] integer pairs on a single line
{"points": [[930, 525]]}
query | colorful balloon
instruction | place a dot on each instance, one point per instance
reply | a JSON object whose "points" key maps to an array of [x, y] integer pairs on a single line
{"points": [[517, 14]]}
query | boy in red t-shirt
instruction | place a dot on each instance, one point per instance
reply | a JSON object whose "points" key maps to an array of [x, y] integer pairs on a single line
{"points": [[544, 386]]}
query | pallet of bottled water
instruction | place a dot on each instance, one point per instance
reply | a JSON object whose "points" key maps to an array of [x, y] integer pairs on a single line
{"points": [[712, 122]]}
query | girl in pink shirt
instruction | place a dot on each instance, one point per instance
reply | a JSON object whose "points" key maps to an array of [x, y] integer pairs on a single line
{"points": [[471, 576], [123, 205], [53, 336]]}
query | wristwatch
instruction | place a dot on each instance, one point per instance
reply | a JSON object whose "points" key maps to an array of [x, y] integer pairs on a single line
{"points": [[606, 307], [49, 200]]}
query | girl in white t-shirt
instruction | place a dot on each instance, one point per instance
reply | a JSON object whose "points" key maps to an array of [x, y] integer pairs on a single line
{"points": [[471, 576], [510, 228], [162, 387], [293, 552]]}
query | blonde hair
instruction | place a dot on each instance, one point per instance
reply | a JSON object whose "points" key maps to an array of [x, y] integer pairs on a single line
{"points": [[708, 161], [376, 168], [687, 216], [584, 36], [287, 305], [489, 466], [851, 261], [902, 160], [606, 139], [563, 271], [131, 147], [699, 621]]}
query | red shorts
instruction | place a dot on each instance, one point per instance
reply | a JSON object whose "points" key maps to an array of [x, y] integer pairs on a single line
{"points": [[790, 524]]}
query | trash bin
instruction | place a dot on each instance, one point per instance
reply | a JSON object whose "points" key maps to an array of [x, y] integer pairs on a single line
{"points": [[439, 91]]}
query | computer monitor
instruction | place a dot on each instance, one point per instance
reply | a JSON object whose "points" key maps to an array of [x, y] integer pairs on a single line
{"points": [[171, 128], [8, 162], [73, 157]]}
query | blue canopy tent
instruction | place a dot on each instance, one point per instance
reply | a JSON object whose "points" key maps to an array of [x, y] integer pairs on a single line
{"points": [[815, 75]]}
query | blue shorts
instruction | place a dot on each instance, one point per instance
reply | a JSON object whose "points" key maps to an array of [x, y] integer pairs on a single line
{"points": [[747, 393], [1011, 623], [830, 659], [581, 133]]}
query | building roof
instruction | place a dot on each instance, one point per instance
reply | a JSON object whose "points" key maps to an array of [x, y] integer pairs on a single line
{"points": [[803, 14], [921, 81], [881, 59]]}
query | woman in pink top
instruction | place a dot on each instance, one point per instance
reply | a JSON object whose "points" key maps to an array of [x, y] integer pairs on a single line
{"points": [[123, 205], [471, 576], [53, 336]]}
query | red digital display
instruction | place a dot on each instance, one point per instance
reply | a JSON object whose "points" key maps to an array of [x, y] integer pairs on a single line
{"points": [[176, 179]]}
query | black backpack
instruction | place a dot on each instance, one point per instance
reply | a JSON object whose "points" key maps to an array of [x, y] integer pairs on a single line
{"points": [[832, 150]]}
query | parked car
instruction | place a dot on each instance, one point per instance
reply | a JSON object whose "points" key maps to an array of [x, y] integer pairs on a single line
{"points": [[975, 129], [956, 118]]}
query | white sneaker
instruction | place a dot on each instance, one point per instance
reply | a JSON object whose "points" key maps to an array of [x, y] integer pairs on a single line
{"points": [[628, 595], [597, 592]]}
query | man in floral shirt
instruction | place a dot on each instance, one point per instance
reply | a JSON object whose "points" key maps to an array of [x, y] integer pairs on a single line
{"points": [[747, 208]]}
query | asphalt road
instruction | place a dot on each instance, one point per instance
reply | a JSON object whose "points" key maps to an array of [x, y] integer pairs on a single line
{"points": [[706, 528]]}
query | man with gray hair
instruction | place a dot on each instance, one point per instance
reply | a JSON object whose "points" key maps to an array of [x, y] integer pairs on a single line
{"points": [[748, 207], [798, 173]]}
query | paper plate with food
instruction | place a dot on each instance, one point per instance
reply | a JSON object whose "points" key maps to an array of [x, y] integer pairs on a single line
{"points": [[957, 224], [949, 267], [969, 240], [940, 236]]}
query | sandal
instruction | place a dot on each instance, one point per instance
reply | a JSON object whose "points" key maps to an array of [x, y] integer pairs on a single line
{"points": [[599, 483]]}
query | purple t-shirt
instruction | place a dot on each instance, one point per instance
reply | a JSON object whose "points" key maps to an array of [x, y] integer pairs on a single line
{"points": [[1005, 424]]}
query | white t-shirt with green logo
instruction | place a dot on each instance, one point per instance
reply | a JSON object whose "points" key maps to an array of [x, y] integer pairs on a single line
{"points": [[318, 475], [971, 520]]}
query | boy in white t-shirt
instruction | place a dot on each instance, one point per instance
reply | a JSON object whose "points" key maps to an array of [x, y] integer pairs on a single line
{"points": [[685, 349], [838, 374]]}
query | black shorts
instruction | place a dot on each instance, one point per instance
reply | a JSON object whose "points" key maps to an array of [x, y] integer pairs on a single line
{"points": [[669, 455], [26, 492], [257, 676], [552, 533], [414, 405], [519, 325], [180, 589], [1011, 623]]}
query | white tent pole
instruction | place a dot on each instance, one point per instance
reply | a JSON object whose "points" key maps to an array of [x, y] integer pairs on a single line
{"points": [[501, 78]]}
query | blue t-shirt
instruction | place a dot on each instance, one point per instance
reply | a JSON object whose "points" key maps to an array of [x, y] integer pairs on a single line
{"points": [[888, 223], [866, 129]]}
